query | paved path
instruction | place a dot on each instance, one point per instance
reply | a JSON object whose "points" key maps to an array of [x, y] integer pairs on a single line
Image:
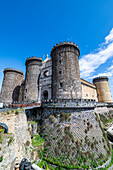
{"points": [[5, 110]]}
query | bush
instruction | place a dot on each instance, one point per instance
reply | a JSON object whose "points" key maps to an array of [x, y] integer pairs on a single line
{"points": [[8, 112], [16, 112], [27, 143], [52, 118], [10, 140], [1, 158], [37, 141]]}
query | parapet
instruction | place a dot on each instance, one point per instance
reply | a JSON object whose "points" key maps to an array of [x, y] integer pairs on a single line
{"points": [[99, 79], [12, 70], [65, 44], [33, 58]]}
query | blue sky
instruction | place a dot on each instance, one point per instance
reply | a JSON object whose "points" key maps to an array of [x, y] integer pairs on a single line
{"points": [[33, 27]]}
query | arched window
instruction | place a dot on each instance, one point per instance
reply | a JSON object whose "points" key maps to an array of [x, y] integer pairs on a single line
{"points": [[46, 73], [45, 94]]}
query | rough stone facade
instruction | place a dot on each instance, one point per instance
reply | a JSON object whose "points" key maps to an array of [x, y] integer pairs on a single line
{"points": [[14, 143], [103, 90], [7, 152], [33, 66], [56, 78], [11, 85], [45, 80], [66, 82], [88, 90]]}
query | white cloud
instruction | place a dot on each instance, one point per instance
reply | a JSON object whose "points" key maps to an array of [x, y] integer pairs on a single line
{"points": [[108, 73], [90, 62], [109, 37]]}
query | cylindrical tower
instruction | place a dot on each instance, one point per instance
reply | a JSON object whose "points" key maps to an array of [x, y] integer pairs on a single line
{"points": [[11, 85], [21, 93], [66, 83], [33, 66], [103, 90]]}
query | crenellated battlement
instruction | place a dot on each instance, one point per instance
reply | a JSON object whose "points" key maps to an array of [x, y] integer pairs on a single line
{"points": [[65, 43], [33, 58], [98, 79], [12, 70]]}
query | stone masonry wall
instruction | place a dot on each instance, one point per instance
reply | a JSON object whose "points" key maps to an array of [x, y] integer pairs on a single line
{"points": [[7, 152], [33, 66], [66, 83], [11, 85], [17, 124]]}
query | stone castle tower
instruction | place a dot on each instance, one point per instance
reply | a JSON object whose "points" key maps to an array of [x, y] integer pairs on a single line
{"points": [[11, 85], [33, 66], [103, 90], [66, 83], [57, 77]]}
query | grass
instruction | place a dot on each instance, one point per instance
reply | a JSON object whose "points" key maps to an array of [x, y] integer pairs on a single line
{"points": [[109, 121], [1, 158], [32, 122], [37, 141], [21, 109], [10, 140]]}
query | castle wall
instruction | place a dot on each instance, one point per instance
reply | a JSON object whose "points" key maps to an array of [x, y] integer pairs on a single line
{"points": [[103, 90], [45, 80], [11, 85], [21, 93], [14, 147], [88, 90], [33, 66], [66, 82]]}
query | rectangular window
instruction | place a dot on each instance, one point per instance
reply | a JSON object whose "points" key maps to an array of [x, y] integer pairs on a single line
{"points": [[60, 85], [60, 61], [60, 72]]}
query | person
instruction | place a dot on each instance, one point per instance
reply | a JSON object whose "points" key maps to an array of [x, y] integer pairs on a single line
{"points": [[20, 105]]}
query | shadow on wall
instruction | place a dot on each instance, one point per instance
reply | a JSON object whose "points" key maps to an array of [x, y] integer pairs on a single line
{"points": [[15, 95], [45, 95]]}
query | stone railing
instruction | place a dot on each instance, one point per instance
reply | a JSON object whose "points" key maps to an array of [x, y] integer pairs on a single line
{"points": [[101, 104], [69, 103]]}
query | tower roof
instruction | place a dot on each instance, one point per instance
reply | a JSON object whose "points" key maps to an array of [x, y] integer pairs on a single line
{"points": [[33, 58], [102, 78], [65, 44], [12, 70]]}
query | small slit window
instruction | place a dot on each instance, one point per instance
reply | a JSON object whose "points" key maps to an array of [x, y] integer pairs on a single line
{"points": [[60, 72], [60, 61], [46, 73], [86, 94], [60, 85]]}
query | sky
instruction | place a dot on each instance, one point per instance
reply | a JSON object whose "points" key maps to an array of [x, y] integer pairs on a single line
{"points": [[32, 27]]}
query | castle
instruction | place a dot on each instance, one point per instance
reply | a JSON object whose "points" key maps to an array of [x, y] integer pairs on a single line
{"points": [[55, 78]]}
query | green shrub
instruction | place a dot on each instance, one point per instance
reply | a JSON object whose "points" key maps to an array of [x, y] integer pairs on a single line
{"points": [[64, 116], [10, 140], [32, 122], [1, 158], [16, 112], [8, 112], [37, 141], [21, 109], [52, 118], [27, 143]]}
